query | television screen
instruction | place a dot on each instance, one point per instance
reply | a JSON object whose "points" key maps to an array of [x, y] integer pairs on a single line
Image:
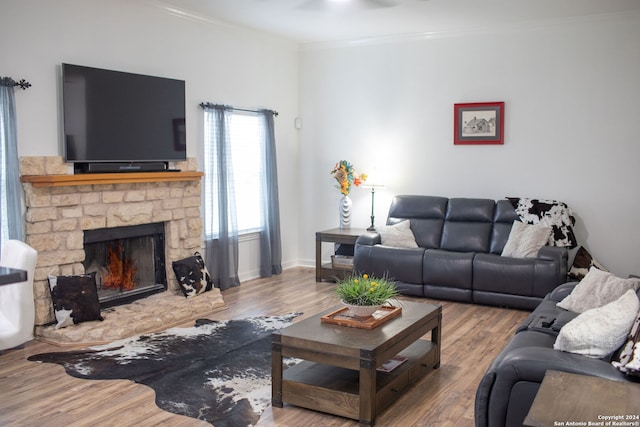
{"points": [[112, 116]]}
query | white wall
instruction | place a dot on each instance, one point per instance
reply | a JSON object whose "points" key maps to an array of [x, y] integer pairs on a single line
{"points": [[571, 92], [219, 63]]}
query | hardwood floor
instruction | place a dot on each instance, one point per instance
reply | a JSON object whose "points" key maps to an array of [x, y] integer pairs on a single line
{"points": [[38, 394]]}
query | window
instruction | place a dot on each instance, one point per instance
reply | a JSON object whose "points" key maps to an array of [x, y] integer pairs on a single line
{"points": [[246, 133]]}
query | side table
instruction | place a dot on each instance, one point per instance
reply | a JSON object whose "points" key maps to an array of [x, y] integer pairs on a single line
{"points": [[345, 236], [565, 399]]}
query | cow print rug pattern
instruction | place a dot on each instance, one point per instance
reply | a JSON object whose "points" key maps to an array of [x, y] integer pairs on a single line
{"points": [[217, 371]]}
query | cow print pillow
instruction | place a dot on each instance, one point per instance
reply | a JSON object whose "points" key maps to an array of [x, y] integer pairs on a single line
{"points": [[556, 214], [75, 299], [628, 359], [582, 262], [192, 275]]}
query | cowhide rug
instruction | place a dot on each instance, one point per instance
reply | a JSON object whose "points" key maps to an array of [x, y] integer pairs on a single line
{"points": [[217, 371]]}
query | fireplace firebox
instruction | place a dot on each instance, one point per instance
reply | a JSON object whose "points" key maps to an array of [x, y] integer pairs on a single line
{"points": [[129, 262]]}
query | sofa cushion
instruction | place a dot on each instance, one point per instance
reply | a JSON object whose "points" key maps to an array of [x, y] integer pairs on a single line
{"points": [[597, 289], [426, 214], [514, 276], [408, 207], [466, 236], [468, 225], [582, 262], [448, 269], [598, 332], [503, 218], [401, 264], [427, 232], [398, 235], [525, 240]]}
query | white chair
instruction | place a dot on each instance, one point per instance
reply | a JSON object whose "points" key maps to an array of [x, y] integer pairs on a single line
{"points": [[17, 310]]}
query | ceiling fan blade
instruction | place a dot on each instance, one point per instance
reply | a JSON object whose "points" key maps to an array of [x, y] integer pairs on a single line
{"points": [[385, 3], [351, 5]]}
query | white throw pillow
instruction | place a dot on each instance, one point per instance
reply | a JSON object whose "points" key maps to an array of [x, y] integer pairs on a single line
{"points": [[597, 289], [600, 331], [398, 235], [525, 240]]}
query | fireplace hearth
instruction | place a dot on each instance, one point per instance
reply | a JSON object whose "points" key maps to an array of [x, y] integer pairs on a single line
{"points": [[129, 262]]}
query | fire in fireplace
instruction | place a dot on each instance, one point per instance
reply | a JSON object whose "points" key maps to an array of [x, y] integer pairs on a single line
{"points": [[129, 262]]}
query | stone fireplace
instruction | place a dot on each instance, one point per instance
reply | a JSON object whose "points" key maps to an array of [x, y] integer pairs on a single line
{"points": [[61, 207]]}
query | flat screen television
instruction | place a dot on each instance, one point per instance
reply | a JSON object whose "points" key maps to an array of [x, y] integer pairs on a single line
{"points": [[122, 122]]}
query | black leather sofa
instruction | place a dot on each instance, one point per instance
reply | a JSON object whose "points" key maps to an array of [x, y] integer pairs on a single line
{"points": [[507, 390], [460, 241]]}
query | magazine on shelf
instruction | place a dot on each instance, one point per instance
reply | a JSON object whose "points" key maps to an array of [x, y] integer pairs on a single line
{"points": [[392, 363]]}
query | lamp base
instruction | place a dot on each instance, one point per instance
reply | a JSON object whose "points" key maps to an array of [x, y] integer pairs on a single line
{"points": [[372, 227]]}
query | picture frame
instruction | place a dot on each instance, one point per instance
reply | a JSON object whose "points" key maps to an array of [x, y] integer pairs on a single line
{"points": [[478, 123]]}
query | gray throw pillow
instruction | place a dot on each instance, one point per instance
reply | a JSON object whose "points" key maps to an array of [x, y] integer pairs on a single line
{"points": [[398, 235], [526, 240], [600, 331], [597, 289]]}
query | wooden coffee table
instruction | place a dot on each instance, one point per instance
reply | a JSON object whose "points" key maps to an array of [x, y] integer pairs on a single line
{"points": [[338, 374]]}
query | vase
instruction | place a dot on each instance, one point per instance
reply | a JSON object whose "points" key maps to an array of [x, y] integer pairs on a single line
{"points": [[362, 310], [345, 211]]}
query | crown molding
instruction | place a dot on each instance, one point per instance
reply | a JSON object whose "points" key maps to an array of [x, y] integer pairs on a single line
{"points": [[203, 19], [524, 26]]}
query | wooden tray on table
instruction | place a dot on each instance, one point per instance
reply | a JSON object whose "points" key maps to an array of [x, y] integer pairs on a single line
{"points": [[342, 317]]}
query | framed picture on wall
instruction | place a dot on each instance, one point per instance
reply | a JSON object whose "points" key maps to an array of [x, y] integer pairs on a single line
{"points": [[478, 123]]}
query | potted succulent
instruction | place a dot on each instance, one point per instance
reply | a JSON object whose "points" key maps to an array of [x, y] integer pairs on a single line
{"points": [[364, 295]]}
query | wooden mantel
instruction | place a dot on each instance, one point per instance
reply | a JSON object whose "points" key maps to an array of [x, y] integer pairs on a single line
{"points": [[39, 181]]}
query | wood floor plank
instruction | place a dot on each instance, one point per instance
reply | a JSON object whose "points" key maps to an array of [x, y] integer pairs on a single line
{"points": [[39, 394]]}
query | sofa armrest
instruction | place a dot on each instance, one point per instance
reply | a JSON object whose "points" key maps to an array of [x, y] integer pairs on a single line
{"points": [[369, 238], [554, 253], [558, 254], [531, 364], [562, 291], [494, 398]]}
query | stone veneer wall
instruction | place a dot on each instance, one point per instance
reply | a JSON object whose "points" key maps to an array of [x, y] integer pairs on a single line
{"points": [[56, 218]]}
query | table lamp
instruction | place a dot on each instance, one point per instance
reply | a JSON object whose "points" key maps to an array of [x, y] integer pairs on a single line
{"points": [[373, 185]]}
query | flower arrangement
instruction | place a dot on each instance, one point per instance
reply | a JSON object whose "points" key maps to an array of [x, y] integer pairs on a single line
{"points": [[346, 175], [365, 291]]}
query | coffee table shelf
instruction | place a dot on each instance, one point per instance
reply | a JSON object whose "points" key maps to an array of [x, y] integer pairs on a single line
{"points": [[339, 387]]}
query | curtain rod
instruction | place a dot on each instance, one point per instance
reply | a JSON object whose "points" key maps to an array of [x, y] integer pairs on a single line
{"points": [[210, 105], [8, 81]]}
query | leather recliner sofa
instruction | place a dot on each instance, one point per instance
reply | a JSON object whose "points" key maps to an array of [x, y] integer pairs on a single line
{"points": [[460, 241], [507, 390]]}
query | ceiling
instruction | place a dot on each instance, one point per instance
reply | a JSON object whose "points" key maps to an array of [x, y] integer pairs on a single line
{"points": [[322, 21]]}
